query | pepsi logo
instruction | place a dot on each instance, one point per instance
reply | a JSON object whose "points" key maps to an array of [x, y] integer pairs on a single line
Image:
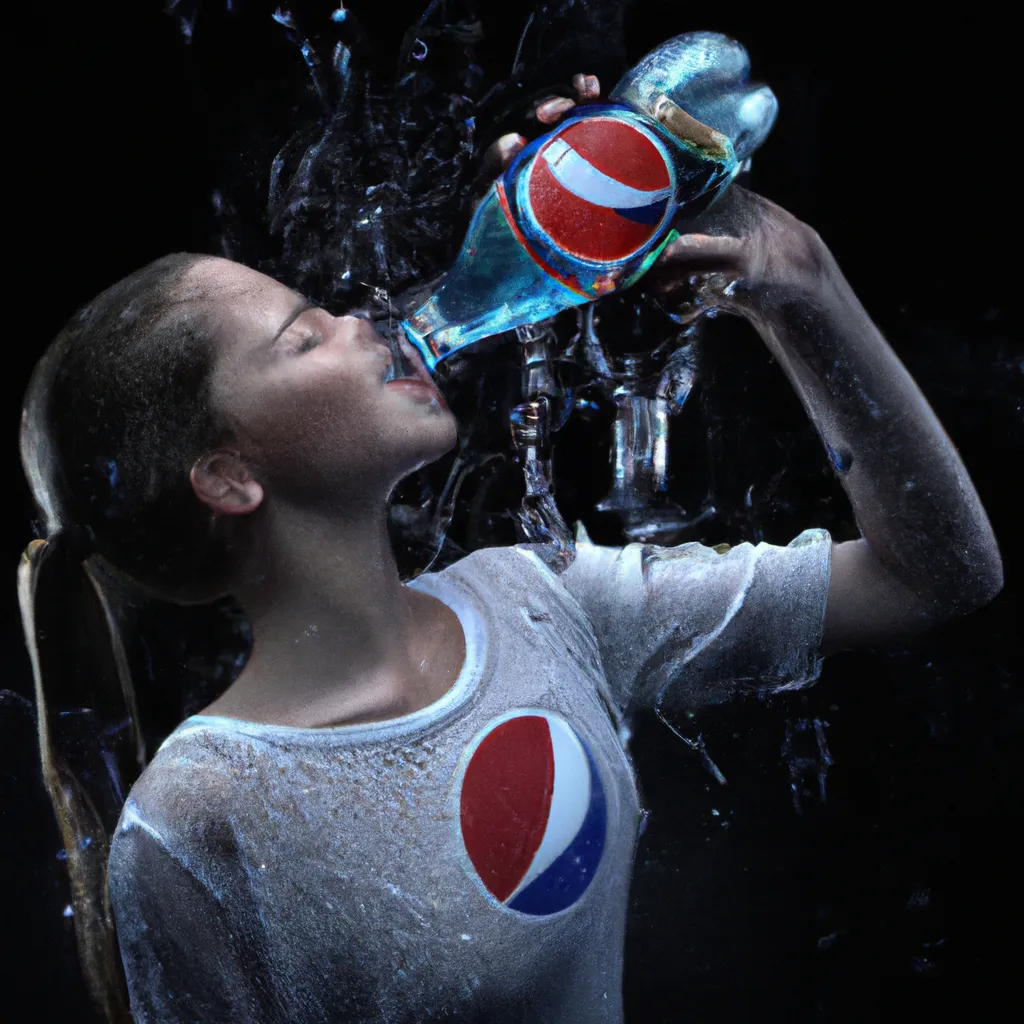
{"points": [[532, 812], [600, 188]]}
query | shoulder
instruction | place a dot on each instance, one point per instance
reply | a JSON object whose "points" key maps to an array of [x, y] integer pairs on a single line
{"points": [[513, 581], [692, 583], [602, 572], [501, 564], [809, 548], [180, 803]]}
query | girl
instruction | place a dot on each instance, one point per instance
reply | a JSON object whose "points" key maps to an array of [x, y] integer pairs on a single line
{"points": [[416, 802]]}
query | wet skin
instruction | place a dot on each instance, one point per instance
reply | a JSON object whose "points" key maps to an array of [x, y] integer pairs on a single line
{"points": [[318, 441]]}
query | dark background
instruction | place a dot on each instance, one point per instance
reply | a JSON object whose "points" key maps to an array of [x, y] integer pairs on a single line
{"points": [[900, 892]]}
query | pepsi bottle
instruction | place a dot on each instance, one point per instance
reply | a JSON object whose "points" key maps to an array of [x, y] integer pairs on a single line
{"points": [[587, 208]]}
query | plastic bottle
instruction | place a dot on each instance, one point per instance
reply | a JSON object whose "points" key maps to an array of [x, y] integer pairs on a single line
{"points": [[587, 208]]}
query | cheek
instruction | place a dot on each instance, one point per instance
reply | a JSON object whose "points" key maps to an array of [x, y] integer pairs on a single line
{"points": [[298, 415]]}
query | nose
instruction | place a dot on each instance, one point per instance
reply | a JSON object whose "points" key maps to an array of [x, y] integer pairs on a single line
{"points": [[363, 328], [361, 332]]}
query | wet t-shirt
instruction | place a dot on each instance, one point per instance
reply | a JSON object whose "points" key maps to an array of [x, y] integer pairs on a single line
{"points": [[471, 860]]}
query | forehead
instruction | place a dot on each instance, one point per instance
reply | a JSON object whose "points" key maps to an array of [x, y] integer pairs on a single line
{"points": [[224, 281], [242, 303]]}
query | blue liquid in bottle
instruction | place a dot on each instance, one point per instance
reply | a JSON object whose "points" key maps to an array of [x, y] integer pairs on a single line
{"points": [[587, 208]]}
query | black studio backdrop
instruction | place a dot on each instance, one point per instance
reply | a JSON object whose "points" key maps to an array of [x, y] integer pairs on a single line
{"points": [[881, 884]]}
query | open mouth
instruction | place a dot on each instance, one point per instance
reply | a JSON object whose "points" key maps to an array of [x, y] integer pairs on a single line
{"points": [[406, 370], [404, 362], [394, 371]]}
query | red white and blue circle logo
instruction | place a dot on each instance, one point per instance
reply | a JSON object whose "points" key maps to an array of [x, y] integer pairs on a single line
{"points": [[600, 188], [532, 812]]}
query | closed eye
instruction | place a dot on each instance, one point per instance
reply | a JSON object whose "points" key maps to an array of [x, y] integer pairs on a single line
{"points": [[308, 343], [375, 315]]}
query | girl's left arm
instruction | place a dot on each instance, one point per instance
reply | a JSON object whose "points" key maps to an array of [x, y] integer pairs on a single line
{"points": [[927, 551]]}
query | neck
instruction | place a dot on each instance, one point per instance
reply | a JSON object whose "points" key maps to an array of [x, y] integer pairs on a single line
{"points": [[336, 635]]}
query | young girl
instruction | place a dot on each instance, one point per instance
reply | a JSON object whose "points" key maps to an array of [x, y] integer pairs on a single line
{"points": [[416, 801]]}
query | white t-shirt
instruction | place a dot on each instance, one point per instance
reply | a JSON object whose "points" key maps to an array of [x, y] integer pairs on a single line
{"points": [[471, 860]]}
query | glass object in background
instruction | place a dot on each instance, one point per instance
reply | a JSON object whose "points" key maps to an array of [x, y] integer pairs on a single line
{"points": [[538, 520], [639, 456]]}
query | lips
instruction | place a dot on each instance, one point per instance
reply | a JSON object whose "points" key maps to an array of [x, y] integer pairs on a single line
{"points": [[405, 363], [419, 371], [407, 373]]}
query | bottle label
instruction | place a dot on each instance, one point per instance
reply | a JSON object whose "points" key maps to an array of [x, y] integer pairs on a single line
{"points": [[590, 201], [581, 212], [599, 190]]}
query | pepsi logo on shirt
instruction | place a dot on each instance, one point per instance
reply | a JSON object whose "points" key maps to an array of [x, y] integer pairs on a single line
{"points": [[600, 188], [532, 812]]}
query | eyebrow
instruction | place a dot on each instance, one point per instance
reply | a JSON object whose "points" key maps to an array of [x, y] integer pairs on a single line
{"points": [[301, 308]]}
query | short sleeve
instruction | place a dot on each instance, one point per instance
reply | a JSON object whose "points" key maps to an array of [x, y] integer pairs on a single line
{"points": [[184, 961], [681, 627]]}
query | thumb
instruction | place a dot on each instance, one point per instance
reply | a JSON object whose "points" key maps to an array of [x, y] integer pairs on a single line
{"points": [[499, 155]]}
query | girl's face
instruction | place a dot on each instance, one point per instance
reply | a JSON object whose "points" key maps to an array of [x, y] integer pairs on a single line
{"points": [[305, 392]]}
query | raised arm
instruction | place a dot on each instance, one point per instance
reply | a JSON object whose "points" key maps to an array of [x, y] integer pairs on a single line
{"points": [[926, 551]]}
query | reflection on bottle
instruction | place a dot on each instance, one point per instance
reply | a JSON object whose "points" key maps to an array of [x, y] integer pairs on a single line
{"points": [[491, 289], [586, 209]]}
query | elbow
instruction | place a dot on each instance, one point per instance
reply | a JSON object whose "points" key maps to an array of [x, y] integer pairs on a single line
{"points": [[977, 585], [990, 580], [985, 572]]}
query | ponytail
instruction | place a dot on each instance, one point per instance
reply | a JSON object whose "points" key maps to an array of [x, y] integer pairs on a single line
{"points": [[82, 830], [116, 411]]}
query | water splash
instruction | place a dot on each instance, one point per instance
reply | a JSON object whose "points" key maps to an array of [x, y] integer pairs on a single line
{"points": [[805, 761], [698, 747], [366, 204]]}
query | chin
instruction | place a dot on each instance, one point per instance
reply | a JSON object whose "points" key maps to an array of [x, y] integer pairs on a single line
{"points": [[431, 442], [447, 435]]}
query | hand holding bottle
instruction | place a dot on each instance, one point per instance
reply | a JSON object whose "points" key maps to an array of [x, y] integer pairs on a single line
{"points": [[746, 255], [586, 209], [500, 154]]}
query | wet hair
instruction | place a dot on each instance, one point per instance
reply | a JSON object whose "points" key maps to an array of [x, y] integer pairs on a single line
{"points": [[116, 414]]}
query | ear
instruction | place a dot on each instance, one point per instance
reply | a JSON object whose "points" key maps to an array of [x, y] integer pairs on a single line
{"points": [[222, 480]]}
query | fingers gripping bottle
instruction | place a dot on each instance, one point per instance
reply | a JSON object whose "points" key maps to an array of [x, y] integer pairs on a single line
{"points": [[587, 208]]}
